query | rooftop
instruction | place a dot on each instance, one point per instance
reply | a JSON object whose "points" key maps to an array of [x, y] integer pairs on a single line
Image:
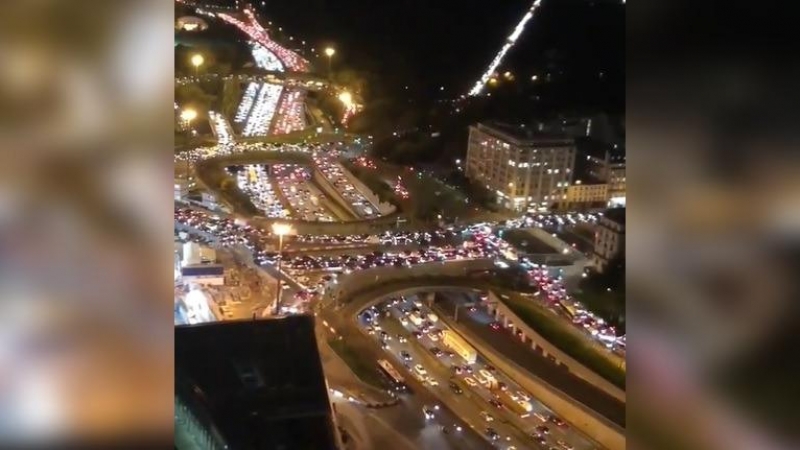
{"points": [[524, 135], [200, 270], [258, 384], [615, 215], [587, 180]]}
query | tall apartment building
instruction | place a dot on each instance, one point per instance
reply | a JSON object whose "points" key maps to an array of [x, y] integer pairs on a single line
{"points": [[617, 181], [581, 193], [607, 166], [609, 238], [527, 170]]}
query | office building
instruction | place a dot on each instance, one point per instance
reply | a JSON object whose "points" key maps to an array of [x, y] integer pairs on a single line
{"points": [[181, 189], [586, 195], [617, 181], [194, 254], [603, 164], [598, 127], [205, 274], [525, 169], [252, 384], [609, 238]]}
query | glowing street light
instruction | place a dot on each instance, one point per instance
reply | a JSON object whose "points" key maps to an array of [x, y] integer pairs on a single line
{"points": [[188, 115], [197, 61], [347, 99], [329, 52], [281, 230]]}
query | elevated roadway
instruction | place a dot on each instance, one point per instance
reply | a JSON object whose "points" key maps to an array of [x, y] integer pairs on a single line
{"points": [[210, 175], [586, 407]]}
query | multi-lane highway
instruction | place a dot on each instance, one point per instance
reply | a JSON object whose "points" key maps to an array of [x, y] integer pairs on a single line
{"points": [[468, 409], [470, 389], [504, 342]]}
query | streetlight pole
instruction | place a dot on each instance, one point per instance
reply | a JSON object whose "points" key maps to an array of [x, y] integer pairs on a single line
{"points": [[280, 229], [188, 115], [330, 51], [197, 61], [280, 274]]}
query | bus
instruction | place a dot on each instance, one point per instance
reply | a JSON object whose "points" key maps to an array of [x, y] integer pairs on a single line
{"points": [[398, 382], [461, 347], [485, 378], [518, 405]]}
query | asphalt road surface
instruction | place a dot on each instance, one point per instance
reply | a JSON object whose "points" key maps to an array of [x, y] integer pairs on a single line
{"points": [[505, 343], [473, 403]]}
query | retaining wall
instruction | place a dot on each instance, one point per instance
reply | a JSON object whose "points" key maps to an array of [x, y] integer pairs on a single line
{"points": [[330, 191], [604, 432], [580, 416], [384, 208], [574, 366]]}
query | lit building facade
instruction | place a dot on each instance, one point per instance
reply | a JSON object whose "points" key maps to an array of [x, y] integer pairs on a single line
{"points": [[181, 189], [617, 181], [526, 170], [610, 168], [609, 238], [581, 194]]}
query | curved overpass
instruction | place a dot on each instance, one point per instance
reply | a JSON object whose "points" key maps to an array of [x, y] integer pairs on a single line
{"points": [[303, 80], [588, 408], [210, 174]]}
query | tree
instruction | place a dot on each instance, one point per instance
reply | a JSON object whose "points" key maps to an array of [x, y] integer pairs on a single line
{"points": [[193, 96], [353, 81], [604, 292], [231, 96]]}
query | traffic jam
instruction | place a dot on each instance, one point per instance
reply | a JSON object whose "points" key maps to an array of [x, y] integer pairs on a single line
{"points": [[473, 242], [554, 295], [415, 339]]}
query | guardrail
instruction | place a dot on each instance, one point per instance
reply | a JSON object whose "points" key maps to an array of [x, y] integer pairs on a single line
{"points": [[600, 429], [571, 363], [327, 187], [383, 208]]}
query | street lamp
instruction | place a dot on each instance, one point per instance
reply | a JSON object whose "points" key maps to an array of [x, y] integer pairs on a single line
{"points": [[188, 115], [329, 52], [347, 99], [197, 61], [281, 230]]}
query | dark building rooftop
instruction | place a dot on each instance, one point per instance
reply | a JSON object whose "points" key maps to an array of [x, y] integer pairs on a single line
{"points": [[200, 270], [617, 155], [524, 135], [257, 384], [593, 147], [615, 215]]}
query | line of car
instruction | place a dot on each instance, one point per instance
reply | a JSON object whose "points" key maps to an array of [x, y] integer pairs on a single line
{"points": [[336, 174], [373, 316], [478, 244]]}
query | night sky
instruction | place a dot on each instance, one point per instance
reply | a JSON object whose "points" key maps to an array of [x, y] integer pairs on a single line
{"points": [[450, 42]]}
